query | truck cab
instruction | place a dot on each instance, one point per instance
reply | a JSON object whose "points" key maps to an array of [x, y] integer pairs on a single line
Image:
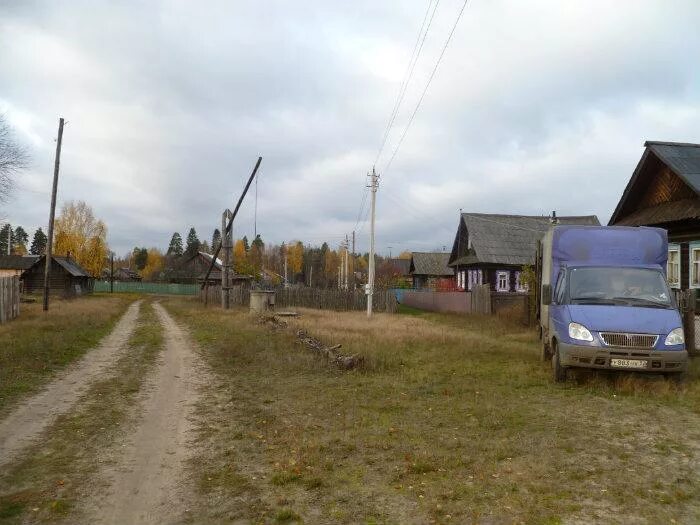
{"points": [[605, 302]]}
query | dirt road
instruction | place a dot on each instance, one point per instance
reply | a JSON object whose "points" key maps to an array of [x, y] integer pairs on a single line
{"points": [[148, 483], [26, 422]]}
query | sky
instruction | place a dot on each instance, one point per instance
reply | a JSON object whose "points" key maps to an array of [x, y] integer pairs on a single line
{"points": [[535, 106]]}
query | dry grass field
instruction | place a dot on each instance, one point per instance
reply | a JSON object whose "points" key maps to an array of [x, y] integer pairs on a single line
{"points": [[451, 420], [37, 344]]}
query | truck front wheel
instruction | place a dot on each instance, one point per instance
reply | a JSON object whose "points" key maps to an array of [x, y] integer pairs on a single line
{"points": [[558, 371]]}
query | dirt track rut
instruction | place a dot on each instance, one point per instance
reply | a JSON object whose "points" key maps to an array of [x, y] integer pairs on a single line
{"points": [[26, 422], [148, 483]]}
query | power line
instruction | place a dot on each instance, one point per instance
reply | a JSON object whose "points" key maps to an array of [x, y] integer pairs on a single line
{"points": [[427, 85], [362, 205], [408, 75]]}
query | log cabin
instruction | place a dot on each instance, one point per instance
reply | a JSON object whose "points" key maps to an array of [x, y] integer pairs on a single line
{"points": [[493, 249], [66, 278], [664, 191]]}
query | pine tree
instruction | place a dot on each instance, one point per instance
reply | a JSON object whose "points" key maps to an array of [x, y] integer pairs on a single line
{"points": [[245, 243], [215, 239], [140, 257], [6, 234], [192, 243], [38, 243], [19, 244], [175, 247]]}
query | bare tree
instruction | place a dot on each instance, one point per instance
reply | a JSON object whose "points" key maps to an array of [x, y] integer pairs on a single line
{"points": [[13, 159]]}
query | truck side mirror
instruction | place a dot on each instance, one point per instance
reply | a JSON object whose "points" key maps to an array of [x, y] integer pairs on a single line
{"points": [[546, 294]]}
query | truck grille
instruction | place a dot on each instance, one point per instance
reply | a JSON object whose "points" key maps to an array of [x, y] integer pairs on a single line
{"points": [[629, 340]]}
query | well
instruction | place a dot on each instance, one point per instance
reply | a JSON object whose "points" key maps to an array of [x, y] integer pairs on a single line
{"points": [[262, 301]]}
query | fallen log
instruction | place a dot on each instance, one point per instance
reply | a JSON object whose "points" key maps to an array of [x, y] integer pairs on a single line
{"points": [[330, 352]]}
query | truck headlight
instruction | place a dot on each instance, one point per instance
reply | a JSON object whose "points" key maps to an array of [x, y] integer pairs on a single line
{"points": [[580, 332], [674, 337]]}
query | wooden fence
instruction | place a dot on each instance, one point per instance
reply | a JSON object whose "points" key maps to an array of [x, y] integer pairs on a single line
{"points": [[322, 299], [9, 298]]}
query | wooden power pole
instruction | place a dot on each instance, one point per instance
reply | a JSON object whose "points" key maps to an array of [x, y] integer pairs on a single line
{"points": [[374, 183], [226, 246], [52, 213]]}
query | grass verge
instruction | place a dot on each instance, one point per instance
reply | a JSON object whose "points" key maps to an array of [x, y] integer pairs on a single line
{"points": [[37, 344], [454, 421], [48, 484]]}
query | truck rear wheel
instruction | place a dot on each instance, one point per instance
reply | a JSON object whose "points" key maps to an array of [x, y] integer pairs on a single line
{"points": [[558, 371]]}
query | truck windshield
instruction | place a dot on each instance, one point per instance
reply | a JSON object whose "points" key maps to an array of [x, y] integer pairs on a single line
{"points": [[619, 286]]}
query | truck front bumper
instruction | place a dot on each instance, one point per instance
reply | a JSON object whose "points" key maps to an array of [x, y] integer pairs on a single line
{"points": [[599, 357]]}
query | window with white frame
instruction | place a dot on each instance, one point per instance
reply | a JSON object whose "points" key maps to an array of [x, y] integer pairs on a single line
{"points": [[673, 266], [694, 265], [519, 286], [502, 284]]}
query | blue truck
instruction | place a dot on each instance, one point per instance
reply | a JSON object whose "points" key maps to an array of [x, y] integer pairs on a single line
{"points": [[604, 301]]}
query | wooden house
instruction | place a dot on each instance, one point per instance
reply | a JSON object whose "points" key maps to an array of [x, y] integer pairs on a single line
{"points": [[193, 269], [399, 271], [431, 270], [492, 249], [664, 191], [11, 265], [66, 278]]}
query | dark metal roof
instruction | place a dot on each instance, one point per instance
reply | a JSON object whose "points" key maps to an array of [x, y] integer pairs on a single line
{"points": [[511, 239], [430, 263], [682, 158], [17, 262], [71, 266]]}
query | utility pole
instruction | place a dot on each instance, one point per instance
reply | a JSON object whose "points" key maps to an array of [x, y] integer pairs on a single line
{"points": [[347, 246], [9, 238], [374, 183], [286, 283], [111, 275], [352, 262], [52, 213], [226, 246]]}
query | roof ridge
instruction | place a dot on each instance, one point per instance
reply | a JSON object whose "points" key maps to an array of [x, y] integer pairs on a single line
{"points": [[667, 143], [504, 215]]}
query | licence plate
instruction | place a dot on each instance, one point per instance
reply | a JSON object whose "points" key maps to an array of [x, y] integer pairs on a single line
{"points": [[628, 363]]}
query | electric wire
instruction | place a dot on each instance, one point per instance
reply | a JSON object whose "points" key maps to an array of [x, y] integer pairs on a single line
{"points": [[427, 85], [408, 75]]}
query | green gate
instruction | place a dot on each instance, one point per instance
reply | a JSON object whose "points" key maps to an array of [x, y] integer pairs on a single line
{"points": [[155, 288]]}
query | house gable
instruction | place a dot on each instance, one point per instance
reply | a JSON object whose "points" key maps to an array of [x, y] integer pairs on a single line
{"points": [[664, 186]]}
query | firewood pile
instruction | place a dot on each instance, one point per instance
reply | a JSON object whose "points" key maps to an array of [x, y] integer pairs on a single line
{"points": [[330, 352], [272, 321]]}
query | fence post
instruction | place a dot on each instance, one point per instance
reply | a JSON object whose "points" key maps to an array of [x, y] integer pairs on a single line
{"points": [[688, 314]]}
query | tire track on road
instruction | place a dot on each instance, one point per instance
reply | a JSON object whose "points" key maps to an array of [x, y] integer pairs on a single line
{"points": [[149, 483], [26, 422]]}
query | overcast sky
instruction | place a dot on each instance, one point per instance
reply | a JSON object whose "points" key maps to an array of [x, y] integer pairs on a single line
{"points": [[536, 106]]}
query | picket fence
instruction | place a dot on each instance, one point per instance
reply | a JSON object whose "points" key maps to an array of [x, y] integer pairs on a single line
{"points": [[320, 298], [9, 298]]}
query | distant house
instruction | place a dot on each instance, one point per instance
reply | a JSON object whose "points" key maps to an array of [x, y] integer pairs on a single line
{"points": [[399, 272], [11, 265], [492, 249], [126, 274], [121, 274], [193, 269], [664, 191], [67, 278], [430, 269]]}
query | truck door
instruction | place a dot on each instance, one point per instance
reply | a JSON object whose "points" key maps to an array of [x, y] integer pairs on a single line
{"points": [[557, 321]]}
